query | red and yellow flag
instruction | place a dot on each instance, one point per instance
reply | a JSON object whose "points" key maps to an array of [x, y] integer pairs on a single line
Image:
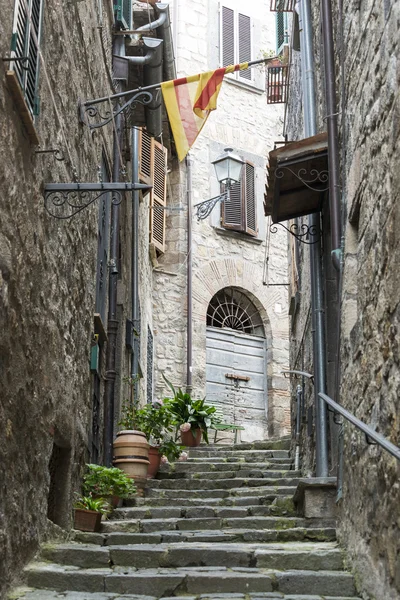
{"points": [[189, 101]]}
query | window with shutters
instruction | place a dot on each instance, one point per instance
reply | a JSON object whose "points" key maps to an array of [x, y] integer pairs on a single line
{"points": [[282, 36], [25, 45], [236, 42], [239, 213], [153, 170]]}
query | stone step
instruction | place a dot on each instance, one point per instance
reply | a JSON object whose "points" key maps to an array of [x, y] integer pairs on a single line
{"points": [[214, 501], [210, 523], [277, 444], [190, 580], [24, 593], [304, 556], [266, 459], [222, 484], [237, 454], [321, 534], [237, 473], [269, 492], [208, 467], [145, 512]]}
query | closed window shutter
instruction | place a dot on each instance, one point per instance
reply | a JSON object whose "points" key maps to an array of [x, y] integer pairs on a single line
{"points": [[244, 43], [250, 200], [232, 209], [146, 157], [227, 37], [24, 43], [159, 197]]}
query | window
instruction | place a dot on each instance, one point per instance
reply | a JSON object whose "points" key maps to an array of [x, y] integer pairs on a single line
{"points": [[239, 212], [236, 42], [153, 170], [25, 44], [282, 36]]}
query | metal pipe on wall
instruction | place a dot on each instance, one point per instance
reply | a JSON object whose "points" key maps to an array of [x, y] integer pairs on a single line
{"points": [[317, 304], [189, 353], [135, 258], [112, 323]]}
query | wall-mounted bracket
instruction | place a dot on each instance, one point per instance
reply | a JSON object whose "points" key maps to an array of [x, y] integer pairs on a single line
{"points": [[308, 231], [64, 200], [94, 117], [205, 208]]}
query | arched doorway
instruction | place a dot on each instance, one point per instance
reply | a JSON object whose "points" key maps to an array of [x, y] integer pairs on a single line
{"points": [[236, 365]]}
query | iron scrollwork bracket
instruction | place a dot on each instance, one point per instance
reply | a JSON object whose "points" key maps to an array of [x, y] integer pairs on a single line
{"points": [[320, 179], [308, 231], [100, 117], [66, 204], [205, 208]]}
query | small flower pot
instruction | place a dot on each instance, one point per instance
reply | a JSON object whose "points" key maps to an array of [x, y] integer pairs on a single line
{"points": [[155, 460], [188, 439], [87, 520]]}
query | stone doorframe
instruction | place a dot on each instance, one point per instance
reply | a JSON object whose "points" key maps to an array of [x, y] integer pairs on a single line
{"points": [[247, 277]]}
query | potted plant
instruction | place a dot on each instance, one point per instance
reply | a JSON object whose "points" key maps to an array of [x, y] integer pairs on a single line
{"points": [[192, 417], [88, 513], [155, 420], [109, 483], [131, 448]]}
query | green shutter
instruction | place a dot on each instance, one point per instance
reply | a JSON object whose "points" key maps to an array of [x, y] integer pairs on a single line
{"points": [[282, 37], [123, 13]]}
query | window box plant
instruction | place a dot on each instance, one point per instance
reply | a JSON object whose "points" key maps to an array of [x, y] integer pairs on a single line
{"points": [[88, 513]]}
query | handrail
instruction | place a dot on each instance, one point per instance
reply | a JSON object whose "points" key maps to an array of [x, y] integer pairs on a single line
{"points": [[377, 437]]}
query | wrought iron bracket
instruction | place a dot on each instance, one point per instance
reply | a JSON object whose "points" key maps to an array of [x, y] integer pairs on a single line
{"points": [[318, 178], [65, 200], [308, 231], [56, 152], [205, 208], [95, 117]]}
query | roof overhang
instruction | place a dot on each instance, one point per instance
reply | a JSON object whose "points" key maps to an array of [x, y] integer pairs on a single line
{"points": [[297, 178]]}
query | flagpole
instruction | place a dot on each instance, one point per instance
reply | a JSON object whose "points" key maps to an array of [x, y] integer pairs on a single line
{"points": [[155, 86]]}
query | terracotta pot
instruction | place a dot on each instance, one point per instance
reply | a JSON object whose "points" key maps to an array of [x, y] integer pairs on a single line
{"points": [[131, 455], [189, 440], [155, 460], [87, 520]]}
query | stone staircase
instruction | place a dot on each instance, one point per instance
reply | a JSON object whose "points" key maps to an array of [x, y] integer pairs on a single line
{"points": [[220, 526]]}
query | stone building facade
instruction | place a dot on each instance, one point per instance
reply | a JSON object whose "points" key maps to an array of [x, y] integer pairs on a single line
{"points": [[224, 259], [367, 59]]}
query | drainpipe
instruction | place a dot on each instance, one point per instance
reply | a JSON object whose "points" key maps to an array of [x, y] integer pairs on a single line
{"points": [[112, 324], [317, 305], [332, 126], [189, 163], [135, 257], [299, 393], [162, 9]]}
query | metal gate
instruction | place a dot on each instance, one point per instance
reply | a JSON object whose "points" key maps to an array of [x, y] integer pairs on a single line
{"points": [[236, 380]]}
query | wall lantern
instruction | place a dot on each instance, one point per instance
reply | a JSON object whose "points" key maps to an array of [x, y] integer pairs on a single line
{"points": [[228, 169]]}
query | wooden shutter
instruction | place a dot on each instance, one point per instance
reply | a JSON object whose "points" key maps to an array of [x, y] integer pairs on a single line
{"points": [[244, 44], [146, 157], [250, 200], [227, 37], [158, 197], [24, 43], [232, 209]]}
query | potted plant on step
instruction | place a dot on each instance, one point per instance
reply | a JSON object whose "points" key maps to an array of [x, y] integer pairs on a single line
{"points": [[191, 417], [131, 448], [88, 513], [109, 483], [155, 420]]}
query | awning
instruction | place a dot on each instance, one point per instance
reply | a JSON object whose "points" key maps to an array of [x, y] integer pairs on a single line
{"points": [[297, 178]]}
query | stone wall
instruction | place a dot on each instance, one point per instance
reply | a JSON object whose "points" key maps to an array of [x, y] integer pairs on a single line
{"points": [[47, 286], [220, 259], [368, 82]]}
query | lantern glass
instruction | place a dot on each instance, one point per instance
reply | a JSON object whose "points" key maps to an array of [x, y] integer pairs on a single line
{"points": [[228, 167]]}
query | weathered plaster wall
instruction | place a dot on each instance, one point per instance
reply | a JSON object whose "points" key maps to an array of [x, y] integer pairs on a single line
{"points": [[369, 136], [47, 284], [246, 123]]}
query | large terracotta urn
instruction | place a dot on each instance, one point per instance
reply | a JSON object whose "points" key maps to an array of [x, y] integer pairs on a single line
{"points": [[131, 455]]}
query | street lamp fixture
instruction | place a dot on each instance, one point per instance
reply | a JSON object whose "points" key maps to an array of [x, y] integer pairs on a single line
{"points": [[228, 169]]}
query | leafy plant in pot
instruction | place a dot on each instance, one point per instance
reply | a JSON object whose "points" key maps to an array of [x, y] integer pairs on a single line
{"points": [[155, 420], [88, 513], [192, 417], [109, 483]]}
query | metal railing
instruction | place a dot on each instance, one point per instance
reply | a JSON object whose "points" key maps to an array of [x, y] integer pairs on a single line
{"points": [[369, 432]]}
